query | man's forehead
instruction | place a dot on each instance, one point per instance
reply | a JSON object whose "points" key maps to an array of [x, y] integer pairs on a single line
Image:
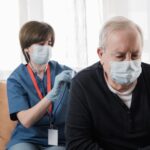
{"points": [[121, 42]]}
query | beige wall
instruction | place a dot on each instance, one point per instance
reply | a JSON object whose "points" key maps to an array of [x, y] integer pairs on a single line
{"points": [[6, 125]]}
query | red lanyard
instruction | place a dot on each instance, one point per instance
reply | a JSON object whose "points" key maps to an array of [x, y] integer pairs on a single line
{"points": [[36, 85]]}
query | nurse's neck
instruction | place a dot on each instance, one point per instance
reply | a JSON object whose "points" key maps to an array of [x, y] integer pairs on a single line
{"points": [[39, 69]]}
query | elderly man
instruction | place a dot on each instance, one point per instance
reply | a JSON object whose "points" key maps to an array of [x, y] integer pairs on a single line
{"points": [[110, 101]]}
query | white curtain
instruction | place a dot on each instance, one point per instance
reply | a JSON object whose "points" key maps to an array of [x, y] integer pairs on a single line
{"points": [[77, 24]]}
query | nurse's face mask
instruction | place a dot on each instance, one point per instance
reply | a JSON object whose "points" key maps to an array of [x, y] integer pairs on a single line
{"points": [[40, 54], [125, 72]]}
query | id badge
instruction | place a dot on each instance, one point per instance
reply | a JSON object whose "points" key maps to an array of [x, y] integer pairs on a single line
{"points": [[52, 137]]}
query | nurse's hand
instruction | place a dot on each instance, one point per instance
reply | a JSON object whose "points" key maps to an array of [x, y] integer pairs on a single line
{"points": [[64, 76]]}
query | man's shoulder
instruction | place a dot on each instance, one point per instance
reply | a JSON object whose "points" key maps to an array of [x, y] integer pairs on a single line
{"points": [[145, 73], [145, 68]]}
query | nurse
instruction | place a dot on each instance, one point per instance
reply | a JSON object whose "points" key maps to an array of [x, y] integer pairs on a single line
{"points": [[37, 92]]}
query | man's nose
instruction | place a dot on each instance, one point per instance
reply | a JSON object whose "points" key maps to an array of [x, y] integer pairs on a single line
{"points": [[128, 57]]}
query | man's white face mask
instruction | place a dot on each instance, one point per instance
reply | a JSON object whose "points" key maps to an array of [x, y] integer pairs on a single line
{"points": [[40, 54], [125, 72]]}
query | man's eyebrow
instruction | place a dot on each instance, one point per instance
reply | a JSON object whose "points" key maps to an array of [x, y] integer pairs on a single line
{"points": [[121, 52], [117, 52], [136, 52]]}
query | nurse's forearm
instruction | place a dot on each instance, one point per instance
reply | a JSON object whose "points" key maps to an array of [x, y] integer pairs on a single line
{"points": [[32, 115]]}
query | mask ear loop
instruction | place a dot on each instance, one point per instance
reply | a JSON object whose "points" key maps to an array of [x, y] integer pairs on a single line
{"points": [[27, 56]]}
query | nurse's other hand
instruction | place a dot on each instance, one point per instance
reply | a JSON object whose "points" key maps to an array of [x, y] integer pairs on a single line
{"points": [[64, 76]]}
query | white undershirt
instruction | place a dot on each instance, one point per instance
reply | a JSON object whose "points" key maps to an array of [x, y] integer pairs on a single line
{"points": [[126, 96]]}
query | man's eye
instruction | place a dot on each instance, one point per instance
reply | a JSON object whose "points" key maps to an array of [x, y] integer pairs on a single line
{"points": [[135, 56], [119, 56]]}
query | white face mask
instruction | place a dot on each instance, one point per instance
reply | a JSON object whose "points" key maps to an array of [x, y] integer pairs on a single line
{"points": [[125, 72], [40, 54]]}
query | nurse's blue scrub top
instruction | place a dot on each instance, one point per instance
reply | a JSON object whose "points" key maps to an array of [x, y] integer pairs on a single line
{"points": [[22, 95]]}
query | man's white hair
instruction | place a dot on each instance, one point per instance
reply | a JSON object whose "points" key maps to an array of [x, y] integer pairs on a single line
{"points": [[116, 24]]}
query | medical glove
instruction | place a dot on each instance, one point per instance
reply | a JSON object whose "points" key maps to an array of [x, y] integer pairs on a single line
{"points": [[61, 78]]}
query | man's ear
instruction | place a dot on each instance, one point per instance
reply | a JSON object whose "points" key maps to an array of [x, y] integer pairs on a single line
{"points": [[100, 52]]}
